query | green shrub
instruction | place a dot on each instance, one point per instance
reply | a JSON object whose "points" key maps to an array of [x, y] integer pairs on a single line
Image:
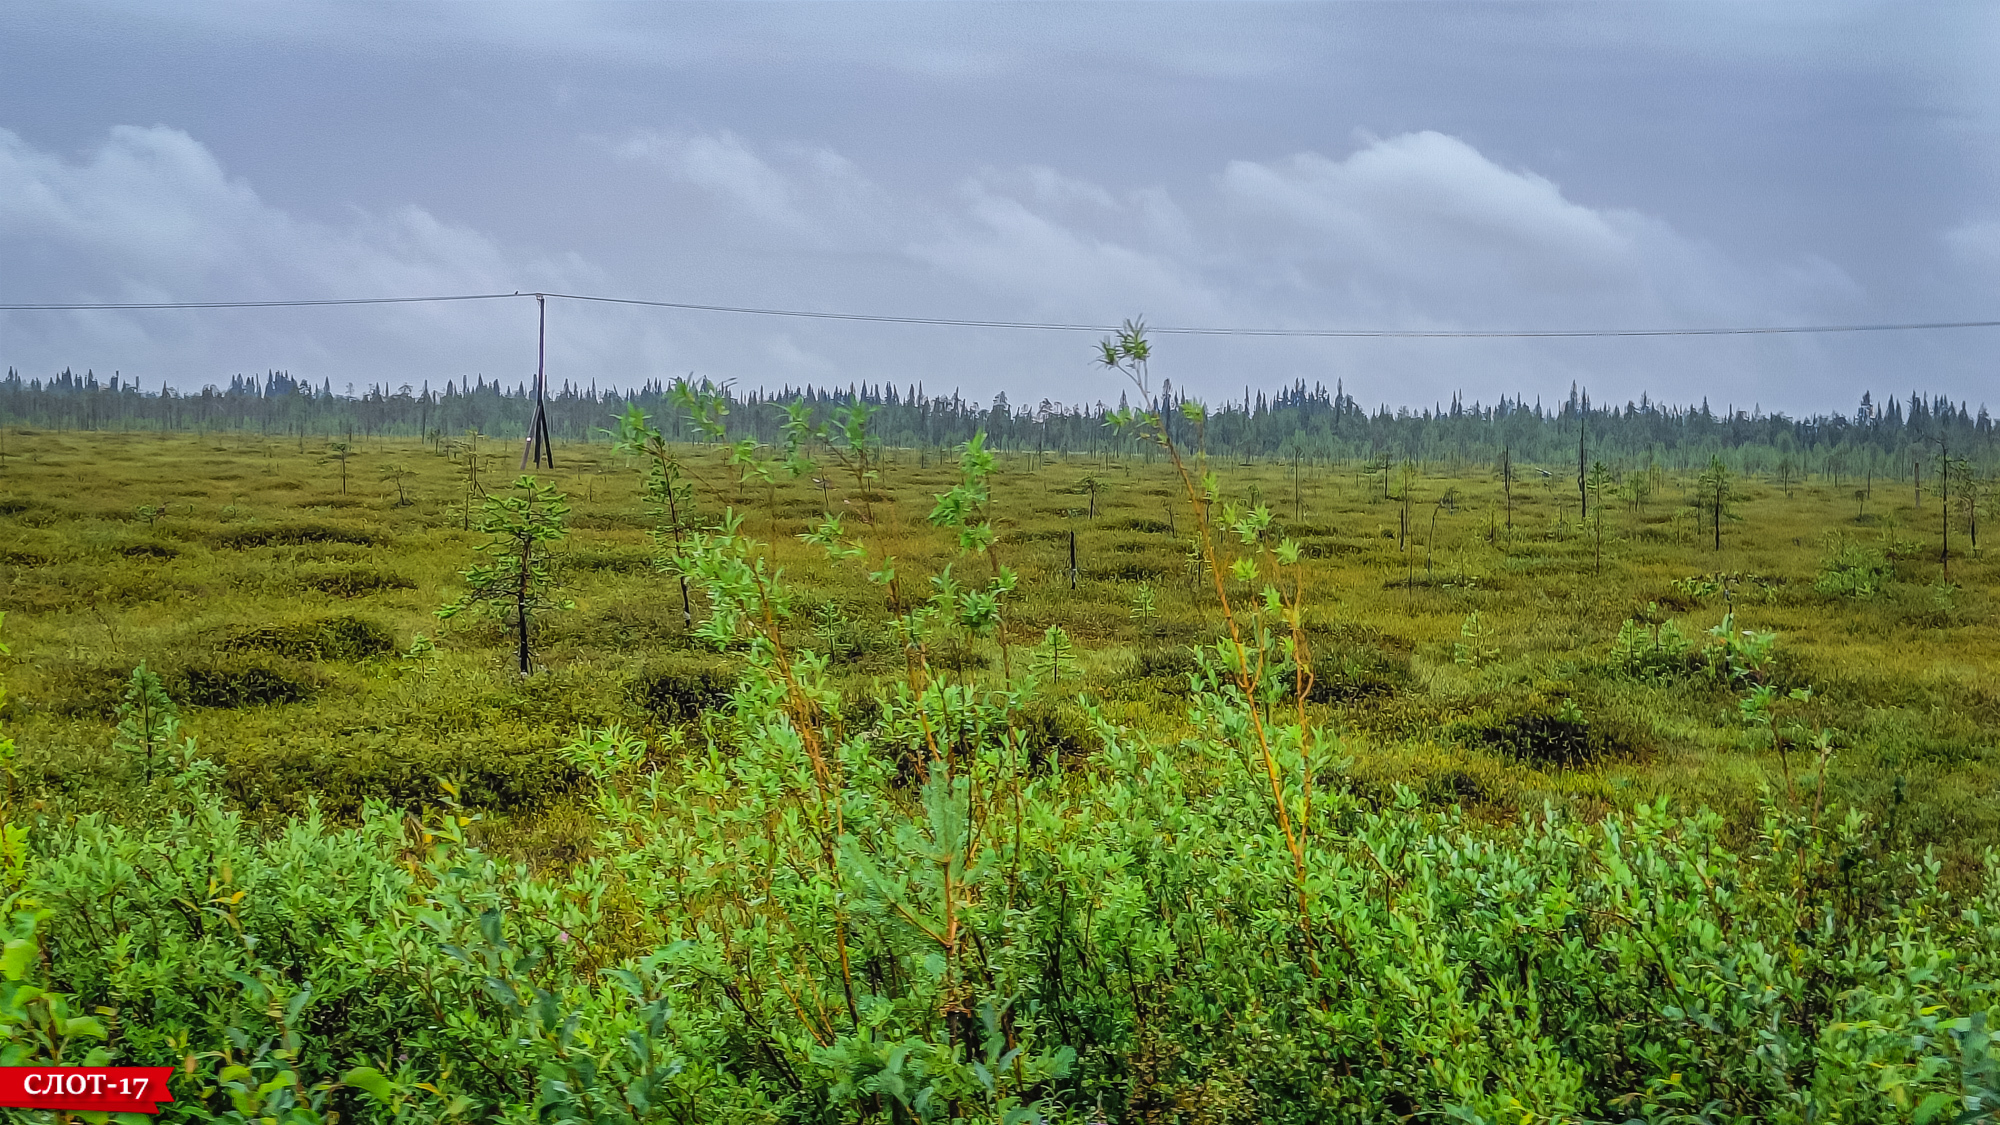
{"points": [[1549, 732], [294, 535], [501, 771], [1127, 572], [1055, 730], [1169, 667], [238, 680], [1854, 571], [1327, 548], [607, 562], [681, 691], [341, 637], [1654, 649], [79, 688], [955, 654], [351, 581], [1352, 665]]}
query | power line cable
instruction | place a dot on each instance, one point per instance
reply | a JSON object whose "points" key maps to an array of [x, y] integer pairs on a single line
{"points": [[89, 307], [1045, 326]]}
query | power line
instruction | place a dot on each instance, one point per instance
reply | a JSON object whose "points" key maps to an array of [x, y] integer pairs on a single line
{"points": [[1048, 326], [88, 307]]}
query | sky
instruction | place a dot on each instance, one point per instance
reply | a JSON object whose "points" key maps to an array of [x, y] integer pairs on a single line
{"points": [[1481, 166]]}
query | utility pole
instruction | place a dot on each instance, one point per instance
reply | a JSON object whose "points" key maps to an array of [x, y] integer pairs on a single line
{"points": [[538, 447]]}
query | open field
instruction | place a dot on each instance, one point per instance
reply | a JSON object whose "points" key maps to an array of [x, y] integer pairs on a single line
{"points": [[221, 561], [1536, 846]]}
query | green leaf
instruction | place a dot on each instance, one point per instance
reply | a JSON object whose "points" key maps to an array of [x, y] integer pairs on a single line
{"points": [[371, 1080], [19, 954], [83, 1025]]}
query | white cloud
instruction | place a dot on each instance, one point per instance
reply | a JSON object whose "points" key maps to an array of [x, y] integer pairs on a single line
{"points": [[811, 192], [724, 166], [151, 215], [1424, 225], [151, 212], [1976, 243], [1006, 247]]}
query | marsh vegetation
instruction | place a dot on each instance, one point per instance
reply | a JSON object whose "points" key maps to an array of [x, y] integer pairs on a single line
{"points": [[853, 782]]}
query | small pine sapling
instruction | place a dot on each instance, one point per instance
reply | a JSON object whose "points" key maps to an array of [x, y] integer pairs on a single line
{"points": [[1599, 480], [1055, 656], [1470, 650], [396, 474], [1145, 607], [147, 720], [340, 452], [517, 584], [1712, 494]]}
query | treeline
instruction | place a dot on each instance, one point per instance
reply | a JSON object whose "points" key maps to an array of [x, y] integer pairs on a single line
{"points": [[1308, 422]]}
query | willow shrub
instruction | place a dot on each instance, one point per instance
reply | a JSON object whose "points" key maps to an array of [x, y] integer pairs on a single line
{"points": [[1132, 939]]}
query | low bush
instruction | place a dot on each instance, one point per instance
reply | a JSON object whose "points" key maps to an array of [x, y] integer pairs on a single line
{"points": [[75, 688], [1168, 667], [682, 690], [607, 562], [1129, 942], [955, 655], [1327, 548], [348, 581], [239, 680], [344, 772], [342, 637], [294, 535], [1548, 732], [1352, 665], [1055, 731], [1127, 572], [1854, 571]]}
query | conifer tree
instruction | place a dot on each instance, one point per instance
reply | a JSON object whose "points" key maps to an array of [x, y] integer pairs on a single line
{"points": [[516, 584]]}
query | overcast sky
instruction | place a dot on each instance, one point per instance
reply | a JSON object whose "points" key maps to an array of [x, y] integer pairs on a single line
{"points": [[1402, 165]]}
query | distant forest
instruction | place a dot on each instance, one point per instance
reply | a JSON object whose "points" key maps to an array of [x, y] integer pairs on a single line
{"points": [[1311, 423]]}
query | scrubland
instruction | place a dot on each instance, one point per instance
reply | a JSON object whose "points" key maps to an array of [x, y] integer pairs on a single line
{"points": [[1579, 818]]}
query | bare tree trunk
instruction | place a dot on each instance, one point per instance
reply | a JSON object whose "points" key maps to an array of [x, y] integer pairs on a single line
{"points": [[521, 608]]}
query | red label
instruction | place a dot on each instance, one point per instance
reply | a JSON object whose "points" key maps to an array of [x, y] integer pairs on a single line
{"points": [[111, 1089]]}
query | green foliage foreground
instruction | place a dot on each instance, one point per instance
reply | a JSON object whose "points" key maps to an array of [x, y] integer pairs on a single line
{"points": [[994, 946]]}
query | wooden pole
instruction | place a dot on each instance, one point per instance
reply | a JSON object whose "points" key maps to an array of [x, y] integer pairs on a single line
{"points": [[538, 447]]}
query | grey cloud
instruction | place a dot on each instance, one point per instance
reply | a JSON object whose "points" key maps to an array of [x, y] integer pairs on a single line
{"points": [[1416, 229], [721, 164]]}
